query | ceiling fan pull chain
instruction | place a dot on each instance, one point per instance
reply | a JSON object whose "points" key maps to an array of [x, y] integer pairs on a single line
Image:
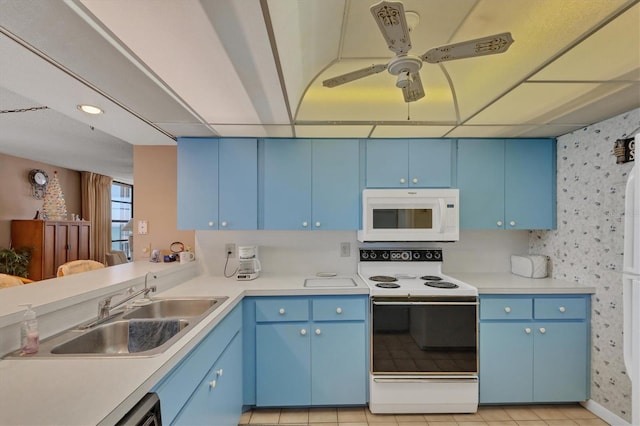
{"points": [[408, 111]]}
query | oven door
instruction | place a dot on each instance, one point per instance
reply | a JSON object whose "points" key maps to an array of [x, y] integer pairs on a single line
{"points": [[424, 336]]}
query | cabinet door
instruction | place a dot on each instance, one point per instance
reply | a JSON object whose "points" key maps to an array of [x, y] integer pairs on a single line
{"points": [[506, 362], [49, 252], [197, 193], [287, 184], [238, 176], [336, 184], [84, 241], [430, 163], [218, 398], [283, 364], [62, 244], [530, 186], [338, 369], [481, 183], [387, 163], [560, 357]]}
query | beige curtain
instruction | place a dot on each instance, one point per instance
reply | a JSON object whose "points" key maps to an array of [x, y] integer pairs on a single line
{"points": [[96, 207]]}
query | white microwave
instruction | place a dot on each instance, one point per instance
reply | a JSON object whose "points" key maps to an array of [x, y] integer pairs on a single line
{"points": [[410, 215]]}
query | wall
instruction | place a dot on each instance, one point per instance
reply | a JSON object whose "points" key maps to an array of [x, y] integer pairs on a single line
{"points": [[16, 201], [155, 200], [587, 247]]}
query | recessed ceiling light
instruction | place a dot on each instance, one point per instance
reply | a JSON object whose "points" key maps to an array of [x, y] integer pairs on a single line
{"points": [[90, 109]]}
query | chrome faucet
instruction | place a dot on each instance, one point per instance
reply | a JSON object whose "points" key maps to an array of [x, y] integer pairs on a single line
{"points": [[105, 307]]}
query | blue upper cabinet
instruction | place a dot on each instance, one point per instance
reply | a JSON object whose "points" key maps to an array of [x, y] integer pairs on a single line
{"points": [[507, 184], [212, 173], [335, 184], [197, 188], [413, 163], [287, 184], [311, 184]]}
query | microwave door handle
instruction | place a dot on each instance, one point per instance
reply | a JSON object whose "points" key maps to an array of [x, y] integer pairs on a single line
{"points": [[442, 214]]}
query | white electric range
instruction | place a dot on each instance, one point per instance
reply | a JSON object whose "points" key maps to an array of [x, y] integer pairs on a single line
{"points": [[424, 334]]}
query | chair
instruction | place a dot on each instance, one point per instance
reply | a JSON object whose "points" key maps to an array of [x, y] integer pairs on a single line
{"points": [[78, 266], [7, 281], [116, 258]]}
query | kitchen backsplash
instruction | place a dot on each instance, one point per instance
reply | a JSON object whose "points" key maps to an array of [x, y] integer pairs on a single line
{"points": [[308, 252], [587, 246]]}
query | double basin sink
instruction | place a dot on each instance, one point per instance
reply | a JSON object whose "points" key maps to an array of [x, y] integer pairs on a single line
{"points": [[139, 331]]}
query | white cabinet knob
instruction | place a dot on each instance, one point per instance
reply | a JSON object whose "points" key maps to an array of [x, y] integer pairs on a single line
{"points": [[512, 223], [318, 224], [318, 331], [507, 309], [403, 180], [281, 311], [212, 384], [499, 223], [223, 223], [527, 330], [543, 330], [338, 311], [562, 309], [305, 224], [414, 180], [219, 372], [212, 223], [303, 332]]}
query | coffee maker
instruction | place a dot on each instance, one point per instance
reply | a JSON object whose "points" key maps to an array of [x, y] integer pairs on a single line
{"points": [[249, 265]]}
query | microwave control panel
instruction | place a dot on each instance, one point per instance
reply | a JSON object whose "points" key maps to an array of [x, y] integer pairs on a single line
{"points": [[401, 255]]}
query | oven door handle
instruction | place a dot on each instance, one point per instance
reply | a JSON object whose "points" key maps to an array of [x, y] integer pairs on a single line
{"points": [[425, 379], [427, 303]]}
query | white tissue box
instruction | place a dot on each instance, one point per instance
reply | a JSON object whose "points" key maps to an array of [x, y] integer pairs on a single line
{"points": [[530, 266]]}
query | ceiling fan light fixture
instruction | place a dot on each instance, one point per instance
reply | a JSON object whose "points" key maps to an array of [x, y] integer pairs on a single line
{"points": [[403, 80], [90, 109]]}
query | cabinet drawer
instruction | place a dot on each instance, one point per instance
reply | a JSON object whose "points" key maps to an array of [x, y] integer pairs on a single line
{"points": [[560, 308], [282, 309], [517, 308], [339, 309]]}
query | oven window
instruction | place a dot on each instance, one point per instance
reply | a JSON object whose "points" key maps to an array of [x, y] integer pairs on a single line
{"points": [[424, 338], [402, 218]]}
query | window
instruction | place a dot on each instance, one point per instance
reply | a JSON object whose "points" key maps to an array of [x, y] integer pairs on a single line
{"points": [[121, 218]]}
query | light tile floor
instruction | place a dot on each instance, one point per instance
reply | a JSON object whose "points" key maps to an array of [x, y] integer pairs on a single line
{"points": [[525, 415]]}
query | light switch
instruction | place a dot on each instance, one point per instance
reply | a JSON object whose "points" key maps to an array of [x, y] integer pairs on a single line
{"points": [[142, 227]]}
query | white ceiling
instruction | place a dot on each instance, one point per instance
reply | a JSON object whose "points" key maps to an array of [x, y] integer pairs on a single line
{"points": [[167, 68]]}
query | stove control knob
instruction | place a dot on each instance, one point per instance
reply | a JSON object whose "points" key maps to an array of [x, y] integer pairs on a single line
{"points": [[373, 255], [385, 255], [437, 255], [428, 255], [405, 255], [364, 255], [416, 255]]}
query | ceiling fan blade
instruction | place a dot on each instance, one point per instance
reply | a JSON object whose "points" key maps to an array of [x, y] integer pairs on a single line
{"points": [[392, 22], [414, 90], [490, 45], [354, 75]]}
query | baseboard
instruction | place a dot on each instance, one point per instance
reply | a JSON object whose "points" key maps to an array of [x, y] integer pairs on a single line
{"points": [[603, 413]]}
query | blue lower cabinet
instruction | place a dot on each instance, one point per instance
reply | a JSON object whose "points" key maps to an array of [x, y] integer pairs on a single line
{"points": [[218, 398], [185, 392], [534, 349], [310, 351]]}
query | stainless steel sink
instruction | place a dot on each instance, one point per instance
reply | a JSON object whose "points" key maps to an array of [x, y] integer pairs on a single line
{"points": [[174, 308], [123, 337], [141, 331]]}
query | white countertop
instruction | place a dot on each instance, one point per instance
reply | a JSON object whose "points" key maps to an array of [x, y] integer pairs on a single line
{"points": [[73, 391], [507, 283]]}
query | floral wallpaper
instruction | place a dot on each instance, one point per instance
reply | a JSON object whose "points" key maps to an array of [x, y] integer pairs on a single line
{"points": [[587, 245]]}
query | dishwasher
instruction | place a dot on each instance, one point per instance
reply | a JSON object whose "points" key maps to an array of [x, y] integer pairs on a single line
{"points": [[145, 413]]}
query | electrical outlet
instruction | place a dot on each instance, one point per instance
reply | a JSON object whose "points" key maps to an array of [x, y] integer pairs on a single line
{"points": [[345, 249], [230, 250]]}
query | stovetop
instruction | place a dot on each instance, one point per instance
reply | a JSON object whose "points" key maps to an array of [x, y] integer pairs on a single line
{"points": [[415, 272]]}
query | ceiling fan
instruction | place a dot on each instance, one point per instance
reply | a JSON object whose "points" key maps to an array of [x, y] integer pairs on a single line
{"points": [[392, 21]]}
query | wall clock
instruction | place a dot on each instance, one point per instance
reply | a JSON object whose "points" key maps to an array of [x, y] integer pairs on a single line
{"points": [[38, 180]]}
